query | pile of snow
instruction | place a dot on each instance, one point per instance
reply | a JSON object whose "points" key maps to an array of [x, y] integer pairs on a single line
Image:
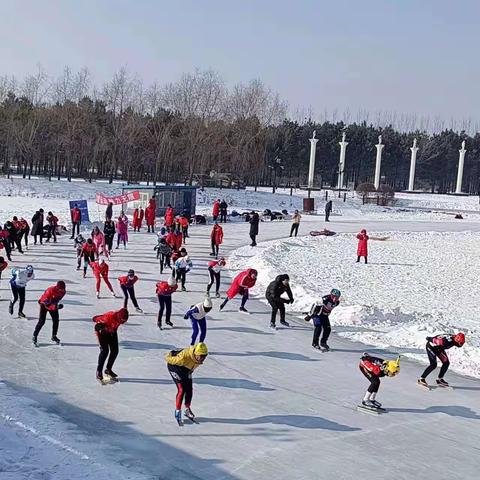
{"points": [[416, 284], [437, 201]]}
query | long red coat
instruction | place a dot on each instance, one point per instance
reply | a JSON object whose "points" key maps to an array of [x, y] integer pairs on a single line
{"points": [[217, 235], [216, 208], [138, 216], [171, 240], [112, 320], [362, 248], [169, 217], [150, 213], [242, 280]]}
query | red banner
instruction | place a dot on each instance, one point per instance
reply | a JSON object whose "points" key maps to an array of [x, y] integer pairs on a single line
{"points": [[102, 199]]}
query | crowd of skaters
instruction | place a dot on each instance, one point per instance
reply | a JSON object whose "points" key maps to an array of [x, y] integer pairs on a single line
{"points": [[173, 257]]}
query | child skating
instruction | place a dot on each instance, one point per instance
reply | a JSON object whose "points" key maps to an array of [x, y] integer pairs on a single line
{"points": [[164, 294], [198, 316]]}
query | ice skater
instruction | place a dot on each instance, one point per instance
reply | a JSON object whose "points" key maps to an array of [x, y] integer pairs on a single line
{"points": [[182, 266], [100, 270], [122, 230], [240, 286], [181, 364], [320, 313], [18, 284], [275, 290], [216, 238], [49, 302], [164, 253], [127, 284], [164, 294], [198, 316], [106, 327], [214, 270], [374, 368], [89, 251], [436, 347], [362, 248]]}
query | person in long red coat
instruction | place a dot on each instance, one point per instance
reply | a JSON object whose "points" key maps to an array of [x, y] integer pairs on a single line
{"points": [[169, 216], [216, 237], [178, 240], [216, 209], [241, 285], [100, 270], [136, 220], [50, 302], [150, 213], [106, 327], [362, 248]]}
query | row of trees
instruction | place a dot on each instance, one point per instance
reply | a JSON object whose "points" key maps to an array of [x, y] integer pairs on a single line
{"points": [[185, 130]]}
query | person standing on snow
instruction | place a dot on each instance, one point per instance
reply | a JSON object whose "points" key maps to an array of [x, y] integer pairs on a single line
{"points": [[254, 221], [18, 284], [169, 216], [49, 302], [106, 327], [216, 237], [328, 210], [99, 240], [216, 209], [138, 215], [109, 234], [181, 364], [89, 251], [76, 215], [198, 316], [182, 266], [164, 252], [37, 226], [223, 211], [240, 286], [127, 283], [150, 214], [164, 294], [52, 221], [122, 230], [374, 368], [320, 313], [362, 248], [295, 223], [109, 211], [436, 347], [274, 293], [100, 270], [214, 270]]}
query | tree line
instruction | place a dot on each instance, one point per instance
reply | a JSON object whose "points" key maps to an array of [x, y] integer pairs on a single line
{"points": [[199, 130]]}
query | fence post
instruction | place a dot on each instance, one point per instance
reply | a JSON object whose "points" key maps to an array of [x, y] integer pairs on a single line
{"points": [[326, 195], [345, 197]]}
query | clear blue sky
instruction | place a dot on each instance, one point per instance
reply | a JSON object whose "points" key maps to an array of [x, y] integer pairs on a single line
{"points": [[404, 55]]}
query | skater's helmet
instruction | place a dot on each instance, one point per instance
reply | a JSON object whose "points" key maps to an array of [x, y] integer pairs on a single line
{"points": [[391, 367], [29, 270], [201, 349], [335, 292], [61, 285], [171, 282], [123, 314], [459, 338], [207, 304], [131, 273]]}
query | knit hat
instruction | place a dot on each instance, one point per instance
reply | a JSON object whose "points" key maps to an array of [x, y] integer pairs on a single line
{"points": [[61, 285], [123, 313], [171, 282], [201, 349], [207, 303]]}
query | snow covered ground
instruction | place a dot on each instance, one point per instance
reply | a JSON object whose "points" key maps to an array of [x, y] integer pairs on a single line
{"points": [[269, 405]]}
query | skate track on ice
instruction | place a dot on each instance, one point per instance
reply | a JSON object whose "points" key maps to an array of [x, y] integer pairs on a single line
{"points": [[269, 405]]}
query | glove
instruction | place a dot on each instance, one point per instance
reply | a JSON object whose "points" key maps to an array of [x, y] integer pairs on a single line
{"points": [[99, 327], [185, 316], [307, 318], [60, 306], [174, 353]]}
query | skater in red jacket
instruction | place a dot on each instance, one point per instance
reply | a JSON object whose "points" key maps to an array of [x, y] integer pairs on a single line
{"points": [[169, 216], [214, 270], [178, 240], [100, 270], [216, 209], [89, 251], [183, 227], [150, 213], [106, 327], [76, 215], [241, 285], [216, 238], [127, 283], [164, 294], [362, 249], [49, 302]]}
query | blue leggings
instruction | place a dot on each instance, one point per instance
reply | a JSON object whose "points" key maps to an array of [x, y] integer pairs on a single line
{"points": [[203, 329]]}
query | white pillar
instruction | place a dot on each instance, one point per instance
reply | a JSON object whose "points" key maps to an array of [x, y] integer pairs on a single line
{"points": [[461, 161], [313, 151], [378, 164], [341, 166], [413, 159]]}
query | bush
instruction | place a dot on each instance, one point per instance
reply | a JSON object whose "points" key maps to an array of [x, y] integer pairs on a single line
{"points": [[386, 191], [365, 188]]}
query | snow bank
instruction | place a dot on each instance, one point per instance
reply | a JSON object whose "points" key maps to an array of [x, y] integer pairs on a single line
{"points": [[416, 284]]}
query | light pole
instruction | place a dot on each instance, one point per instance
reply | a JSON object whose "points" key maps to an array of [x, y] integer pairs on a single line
{"points": [[341, 165], [311, 169], [378, 162]]}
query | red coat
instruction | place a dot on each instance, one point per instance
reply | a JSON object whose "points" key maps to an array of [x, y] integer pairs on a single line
{"points": [[183, 221], [169, 216], [51, 297], [216, 208], [76, 215], [163, 288], [3, 266], [362, 249], [178, 240], [217, 235], [89, 249], [127, 282], [170, 238], [111, 320], [100, 269], [241, 281]]}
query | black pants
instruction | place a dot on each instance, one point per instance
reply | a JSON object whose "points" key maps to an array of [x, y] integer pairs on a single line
{"points": [[277, 306], [223, 216], [129, 291], [185, 233], [52, 232], [87, 259], [26, 233], [43, 317], [214, 277], [325, 326], [18, 293], [109, 242], [374, 380], [164, 262], [359, 257], [75, 225], [253, 238], [8, 248], [108, 344], [327, 215], [294, 229], [432, 357], [121, 239], [183, 380], [165, 303], [181, 275], [215, 248], [18, 243]]}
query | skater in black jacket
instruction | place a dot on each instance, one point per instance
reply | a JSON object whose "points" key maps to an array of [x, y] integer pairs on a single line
{"points": [[274, 293]]}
